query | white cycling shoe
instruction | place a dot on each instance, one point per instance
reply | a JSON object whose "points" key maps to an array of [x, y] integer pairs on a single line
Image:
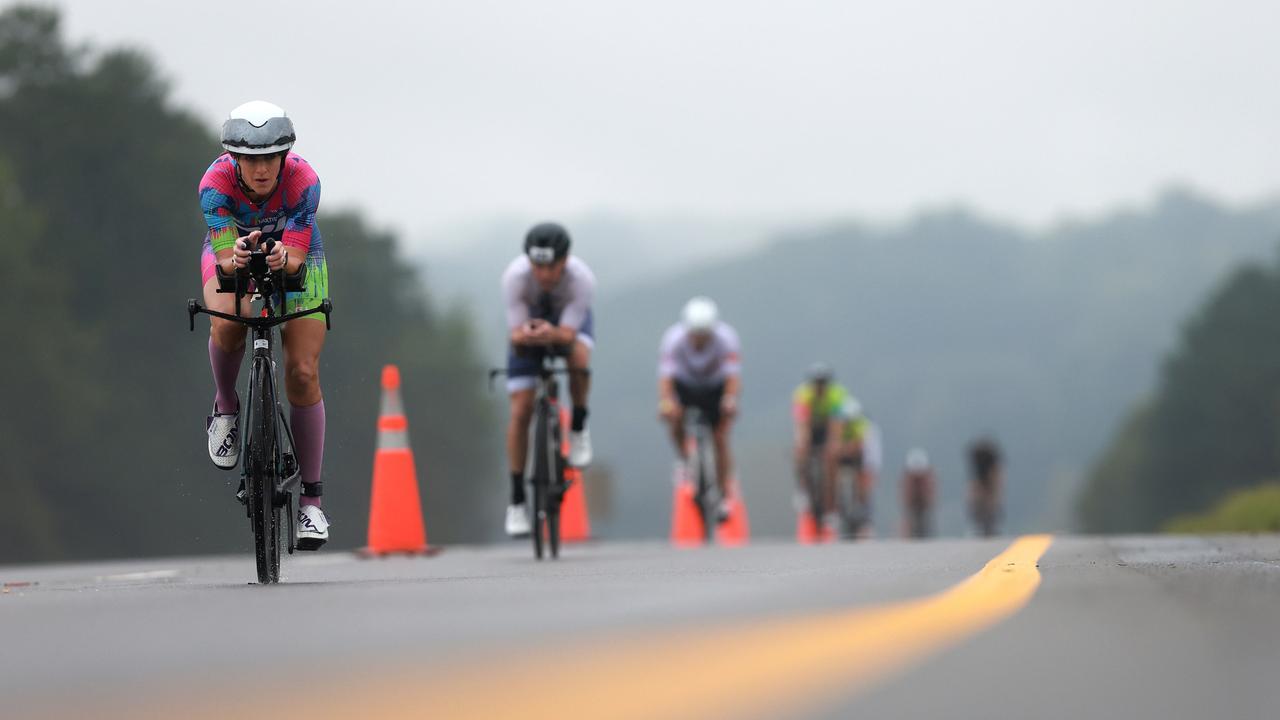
{"points": [[313, 528], [224, 439], [517, 521], [580, 448]]}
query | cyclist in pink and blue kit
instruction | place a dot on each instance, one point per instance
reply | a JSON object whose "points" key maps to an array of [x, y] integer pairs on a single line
{"points": [[258, 191]]}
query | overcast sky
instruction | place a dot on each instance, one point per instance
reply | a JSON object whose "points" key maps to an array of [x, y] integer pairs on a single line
{"points": [[429, 114]]}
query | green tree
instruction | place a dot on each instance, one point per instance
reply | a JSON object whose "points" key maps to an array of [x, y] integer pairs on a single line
{"points": [[1214, 424]]}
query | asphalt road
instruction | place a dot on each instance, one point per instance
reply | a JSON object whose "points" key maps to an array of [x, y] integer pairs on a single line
{"points": [[1140, 627]]}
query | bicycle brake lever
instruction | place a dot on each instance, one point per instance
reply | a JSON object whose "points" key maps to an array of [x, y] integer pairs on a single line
{"points": [[326, 307], [191, 315]]}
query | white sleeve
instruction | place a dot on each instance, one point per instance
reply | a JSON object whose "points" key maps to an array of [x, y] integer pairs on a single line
{"points": [[582, 292], [512, 282], [667, 365], [732, 361]]}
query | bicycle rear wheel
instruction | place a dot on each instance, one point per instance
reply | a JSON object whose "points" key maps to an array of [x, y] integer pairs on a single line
{"points": [[264, 516]]}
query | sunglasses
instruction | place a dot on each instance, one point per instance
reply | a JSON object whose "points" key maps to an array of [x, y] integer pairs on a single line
{"points": [[265, 158]]}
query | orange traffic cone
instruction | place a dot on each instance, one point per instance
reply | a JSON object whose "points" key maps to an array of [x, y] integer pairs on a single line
{"points": [[575, 526], [686, 523], [736, 530], [395, 511], [806, 528]]}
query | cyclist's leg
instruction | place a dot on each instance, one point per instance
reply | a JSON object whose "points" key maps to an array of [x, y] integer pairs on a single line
{"points": [[518, 439], [579, 390], [580, 383], [720, 436], [303, 341], [226, 341], [676, 428]]}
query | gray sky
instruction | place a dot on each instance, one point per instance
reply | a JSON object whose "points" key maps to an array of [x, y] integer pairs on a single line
{"points": [[431, 114]]}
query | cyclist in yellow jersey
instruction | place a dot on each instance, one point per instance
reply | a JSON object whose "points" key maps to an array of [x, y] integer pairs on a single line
{"points": [[856, 446], [815, 408]]}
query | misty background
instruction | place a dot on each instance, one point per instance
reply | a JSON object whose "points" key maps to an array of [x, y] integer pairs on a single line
{"points": [[990, 217]]}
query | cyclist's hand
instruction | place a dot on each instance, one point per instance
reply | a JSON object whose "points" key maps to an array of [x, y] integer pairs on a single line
{"points": [[668, 409], [729, 406], [277, 257], [538, 330], [242, 248]]}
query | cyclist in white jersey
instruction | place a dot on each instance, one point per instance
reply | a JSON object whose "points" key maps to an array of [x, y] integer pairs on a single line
{"points": [[548, 298], [700, 366]]}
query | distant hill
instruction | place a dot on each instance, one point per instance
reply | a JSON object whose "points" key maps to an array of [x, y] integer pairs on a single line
{"points": [[945, 327]]}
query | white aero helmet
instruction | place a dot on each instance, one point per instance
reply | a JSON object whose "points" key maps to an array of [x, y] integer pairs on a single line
{"points": [[917, 460], [851, 409], [700, 315], [258, 128]]}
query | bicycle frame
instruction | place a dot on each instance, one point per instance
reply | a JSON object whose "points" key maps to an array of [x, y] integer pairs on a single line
{"points": [[284, 475]]}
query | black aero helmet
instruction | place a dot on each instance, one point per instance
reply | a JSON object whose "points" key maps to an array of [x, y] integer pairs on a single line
{"points": [[258, 128], [546, 243]]}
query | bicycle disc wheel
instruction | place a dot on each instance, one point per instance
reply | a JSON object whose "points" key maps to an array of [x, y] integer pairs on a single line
{"points": [[263, 513]]}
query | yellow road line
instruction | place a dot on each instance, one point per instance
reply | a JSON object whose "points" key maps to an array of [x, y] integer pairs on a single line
{"points": [[772, 668]]}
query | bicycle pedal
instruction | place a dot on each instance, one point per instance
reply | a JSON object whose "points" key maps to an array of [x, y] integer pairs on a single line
{"points": [[241, 496]]}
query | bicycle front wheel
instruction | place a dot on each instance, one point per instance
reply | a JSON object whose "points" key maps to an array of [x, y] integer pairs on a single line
{"points": [[541, 475], [706, 498], [264, 516]]}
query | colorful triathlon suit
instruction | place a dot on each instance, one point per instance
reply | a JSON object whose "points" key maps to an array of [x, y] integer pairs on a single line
{"points": [[568, 304], [699, 374], [815, 411], [288, 216]]}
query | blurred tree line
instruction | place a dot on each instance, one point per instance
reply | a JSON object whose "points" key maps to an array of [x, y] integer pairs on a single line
{"points": [[105, 392], [1211, 429]]}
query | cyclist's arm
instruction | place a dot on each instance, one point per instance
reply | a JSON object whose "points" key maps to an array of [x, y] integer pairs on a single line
{"points": [[800, 411], [216, 207], [732, 363], [732, 386], [303, 186], [667, 399]]}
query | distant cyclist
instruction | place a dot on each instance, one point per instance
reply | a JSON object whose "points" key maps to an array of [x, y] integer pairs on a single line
{"points": [[258, 190], [855, 446], [816, 406], [919, 492], [548, 297], [699, 367], [986, 486]]}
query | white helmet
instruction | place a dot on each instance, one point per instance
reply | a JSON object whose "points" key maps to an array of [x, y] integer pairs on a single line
{"points": [[258, 128], [851, 409], [700, 315], [917, 460]]}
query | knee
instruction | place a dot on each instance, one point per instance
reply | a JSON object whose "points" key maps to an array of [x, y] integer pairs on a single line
{"points": [[303, 373], [227, 335], [521, 410], [581, 356]]}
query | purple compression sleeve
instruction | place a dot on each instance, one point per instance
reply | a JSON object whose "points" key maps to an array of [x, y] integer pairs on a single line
{"points": [[308, 439], [226, 368]]}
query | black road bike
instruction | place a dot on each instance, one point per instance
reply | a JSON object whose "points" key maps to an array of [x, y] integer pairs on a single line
{"points": [[270, 473], [700, 466], [547, 481]]}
